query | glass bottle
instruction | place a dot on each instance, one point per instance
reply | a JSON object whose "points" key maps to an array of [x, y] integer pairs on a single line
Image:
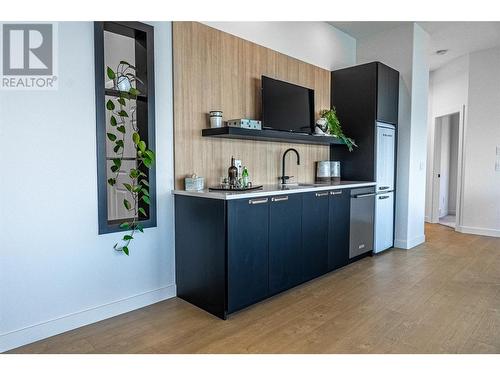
{"points": [[232, 174], [244, 177]]}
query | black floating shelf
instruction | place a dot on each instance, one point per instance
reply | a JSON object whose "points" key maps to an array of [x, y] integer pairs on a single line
{"points": [[269, 135], [112, 92]]}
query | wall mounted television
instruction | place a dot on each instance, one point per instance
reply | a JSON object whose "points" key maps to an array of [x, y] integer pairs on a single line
{"points": [[286, 106]]}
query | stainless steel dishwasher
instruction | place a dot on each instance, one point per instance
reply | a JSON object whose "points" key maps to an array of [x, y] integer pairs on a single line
{"points": [[362, 220]]}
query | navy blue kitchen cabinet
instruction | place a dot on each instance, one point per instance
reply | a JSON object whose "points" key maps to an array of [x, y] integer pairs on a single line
{"points": [[315, 208], [338, 234], [387, 94], [285, 234], [200, 256], [233, 253], [247, 251]]}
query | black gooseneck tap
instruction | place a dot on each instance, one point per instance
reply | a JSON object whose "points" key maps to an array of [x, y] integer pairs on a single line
{"points": [[283, 177]]}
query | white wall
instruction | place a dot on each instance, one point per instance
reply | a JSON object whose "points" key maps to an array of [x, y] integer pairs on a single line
{"points": [[316, 43], [56, 273], [448, 88], [418, 145], [481, 208], [472, 81], [405, 49]]}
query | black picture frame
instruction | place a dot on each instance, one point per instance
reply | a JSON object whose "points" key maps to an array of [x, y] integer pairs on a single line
{"points": [[143, 35]]}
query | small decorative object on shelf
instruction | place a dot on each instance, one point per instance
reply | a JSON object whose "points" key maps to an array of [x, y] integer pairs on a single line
{"points": [[124, 77], [216, 119], [194, 183], [321, 127], [245, 124], [330, 117]]}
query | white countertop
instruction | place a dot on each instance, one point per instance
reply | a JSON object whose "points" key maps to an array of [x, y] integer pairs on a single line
{"points": [[269, 190]]}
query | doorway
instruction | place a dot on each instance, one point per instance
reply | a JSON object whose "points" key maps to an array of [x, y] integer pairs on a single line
{"points": [[446, 169]]}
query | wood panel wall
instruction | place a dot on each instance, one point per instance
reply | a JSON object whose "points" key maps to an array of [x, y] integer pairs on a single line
{"points": [[214, 70]]}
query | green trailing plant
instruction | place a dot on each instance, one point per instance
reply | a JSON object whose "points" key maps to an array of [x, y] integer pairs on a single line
{"points": [[334, 128], [123, 78]]}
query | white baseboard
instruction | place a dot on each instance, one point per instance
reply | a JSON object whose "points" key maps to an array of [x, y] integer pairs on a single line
{"points": [[23, 336], [429, 220], [409, 244], [479, 231]]}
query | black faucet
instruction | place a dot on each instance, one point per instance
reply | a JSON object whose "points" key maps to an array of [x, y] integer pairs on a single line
{"points": [[283, 177]]}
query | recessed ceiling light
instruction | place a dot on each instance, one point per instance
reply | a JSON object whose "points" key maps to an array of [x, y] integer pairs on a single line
{"points": [[441, 52]]}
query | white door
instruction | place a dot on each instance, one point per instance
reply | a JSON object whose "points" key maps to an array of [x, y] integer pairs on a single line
{"points": [[444, 166], [386, 144], [384, 221]]}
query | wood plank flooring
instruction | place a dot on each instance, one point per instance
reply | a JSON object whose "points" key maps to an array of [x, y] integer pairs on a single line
{"points": [[441, 297]]}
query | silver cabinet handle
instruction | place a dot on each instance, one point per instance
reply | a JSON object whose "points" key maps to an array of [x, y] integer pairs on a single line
{"points": [[321, 194], [279, 199], [384, 187], [336, 192], [257, 201], [383, 197], [364, 195]]}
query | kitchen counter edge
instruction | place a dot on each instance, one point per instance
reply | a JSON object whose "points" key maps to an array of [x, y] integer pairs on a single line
{"points": [[272, 190]]}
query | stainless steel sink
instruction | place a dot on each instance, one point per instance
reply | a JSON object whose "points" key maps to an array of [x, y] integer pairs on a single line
{"points": [[314, 185], [296, 186]]}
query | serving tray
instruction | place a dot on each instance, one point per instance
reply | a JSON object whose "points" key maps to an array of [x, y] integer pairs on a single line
{"points": [[220, 188]]}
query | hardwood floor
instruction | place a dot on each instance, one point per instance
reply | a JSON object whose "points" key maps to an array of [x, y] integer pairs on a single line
{"points": [[441, 297]]}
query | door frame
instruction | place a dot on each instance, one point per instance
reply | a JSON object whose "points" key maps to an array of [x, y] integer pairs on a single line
{"points": [[436, 162]]}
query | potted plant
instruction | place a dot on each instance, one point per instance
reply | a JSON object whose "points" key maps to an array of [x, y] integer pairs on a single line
{"points": [[330, 122]]}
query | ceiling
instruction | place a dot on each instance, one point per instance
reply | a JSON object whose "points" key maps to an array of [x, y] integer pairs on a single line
{"points": [[459, 38], [362, 29]]}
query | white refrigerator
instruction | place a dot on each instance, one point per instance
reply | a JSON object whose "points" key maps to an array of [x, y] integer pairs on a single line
{"points": [[384, 199]]}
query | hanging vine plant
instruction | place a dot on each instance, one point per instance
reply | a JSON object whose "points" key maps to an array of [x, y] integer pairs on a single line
{"points": [[124, 78]]}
